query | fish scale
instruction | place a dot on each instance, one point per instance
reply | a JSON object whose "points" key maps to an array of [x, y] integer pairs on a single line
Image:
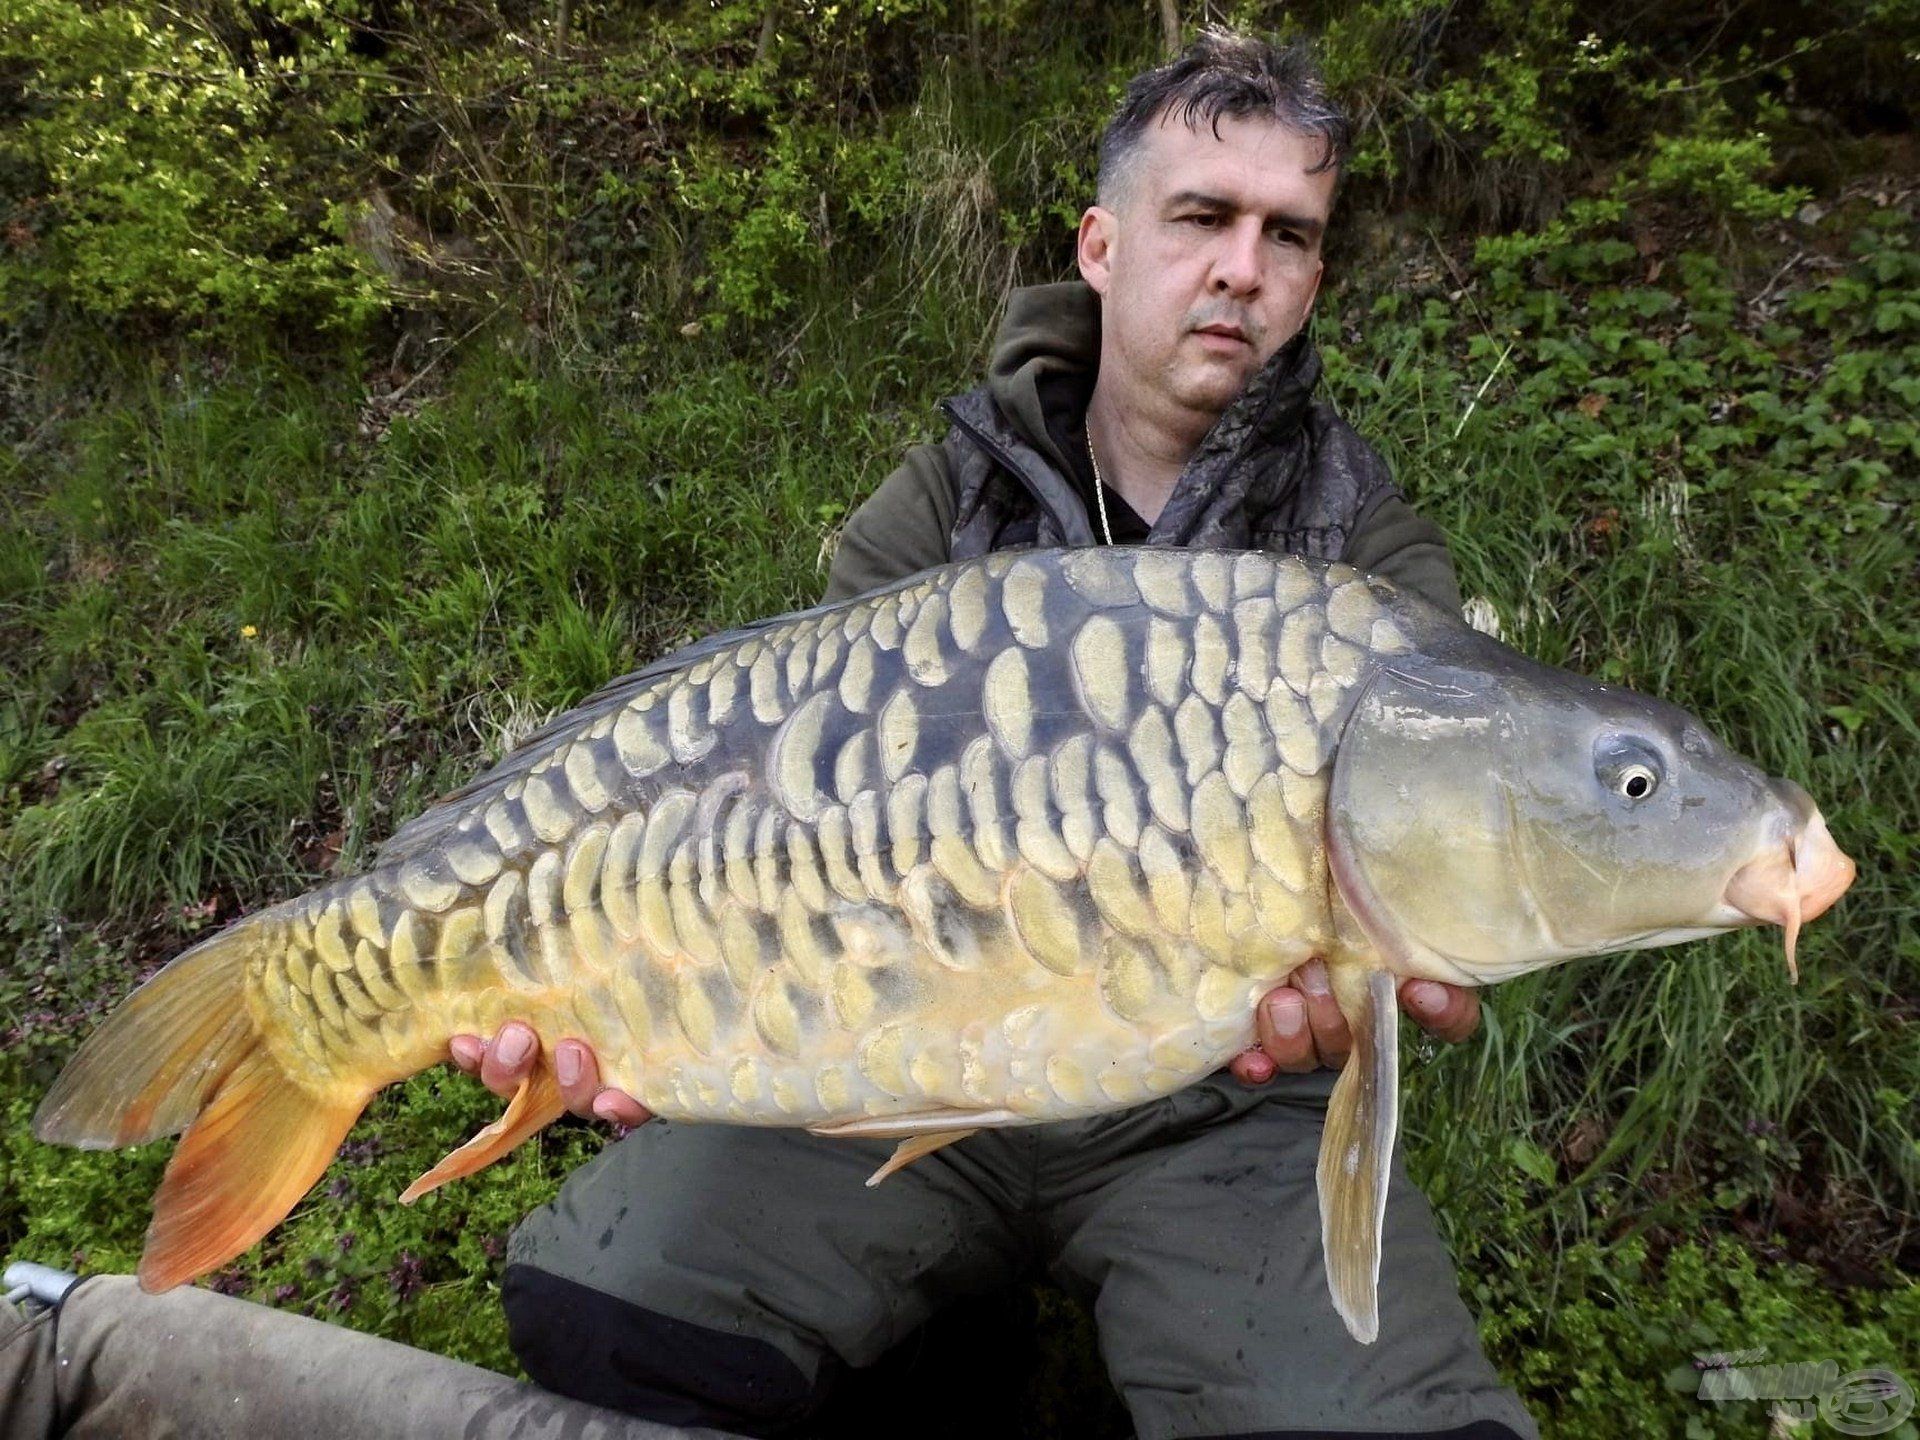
{"points": [[953, 820]]}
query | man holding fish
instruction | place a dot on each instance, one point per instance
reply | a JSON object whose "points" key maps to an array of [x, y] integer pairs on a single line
{"points": [[1168, 399], [1034, 838]]}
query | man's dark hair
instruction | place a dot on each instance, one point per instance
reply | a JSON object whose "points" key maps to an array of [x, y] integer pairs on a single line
{"points": [[1224, 74]]}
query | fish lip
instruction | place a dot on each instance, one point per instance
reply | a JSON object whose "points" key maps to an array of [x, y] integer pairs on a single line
{"points": [[1823, 871], [1793, 880]]}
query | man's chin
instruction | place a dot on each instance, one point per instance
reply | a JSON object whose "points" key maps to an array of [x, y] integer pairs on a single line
{"points": [[1213, 389]]}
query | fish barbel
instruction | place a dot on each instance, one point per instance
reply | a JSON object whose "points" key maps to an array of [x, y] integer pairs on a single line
{"points": [[1015, 840]]}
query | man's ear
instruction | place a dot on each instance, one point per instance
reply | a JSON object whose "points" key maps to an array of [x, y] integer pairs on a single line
{"points": [[1098, 227]]}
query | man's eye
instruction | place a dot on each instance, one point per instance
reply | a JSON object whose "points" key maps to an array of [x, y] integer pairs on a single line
{"points": [[1288, 237], [1205, 221]]}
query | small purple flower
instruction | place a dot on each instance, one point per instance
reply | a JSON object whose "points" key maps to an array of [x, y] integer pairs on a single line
{"points": [[408, 1276], [284, 1293], [347, 1241]]}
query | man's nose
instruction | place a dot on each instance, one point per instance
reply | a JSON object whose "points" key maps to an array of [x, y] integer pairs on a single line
{"points": [[1236, 264]]}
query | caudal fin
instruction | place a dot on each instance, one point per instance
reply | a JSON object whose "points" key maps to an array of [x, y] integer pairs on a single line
{"points": [[183, 1053]]}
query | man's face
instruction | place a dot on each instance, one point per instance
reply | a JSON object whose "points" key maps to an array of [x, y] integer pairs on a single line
{"points": [[1211, 259]]}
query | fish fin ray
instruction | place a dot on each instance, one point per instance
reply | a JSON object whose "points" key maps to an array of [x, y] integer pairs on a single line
{"points": [[243, 1164], [1356, 1149], [915, 1147], [915, 1122], [535, 1105], [182, 1053], [162, 1054]]}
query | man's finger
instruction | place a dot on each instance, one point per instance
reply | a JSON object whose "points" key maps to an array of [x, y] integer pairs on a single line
{"points": [[509, 1059], [1447, 1012], [619, 1108], [1253, 1066], [577, 1069], [467, 1052], [1330, 1036], [1284, 1037]]}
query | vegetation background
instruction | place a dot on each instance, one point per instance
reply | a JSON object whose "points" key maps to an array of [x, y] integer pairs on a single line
{"points": [[377, 377]]}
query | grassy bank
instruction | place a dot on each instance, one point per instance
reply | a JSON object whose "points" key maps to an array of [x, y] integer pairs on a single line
{"points": [[256, 616]]}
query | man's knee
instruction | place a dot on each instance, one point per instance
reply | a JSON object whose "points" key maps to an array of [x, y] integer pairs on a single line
{"points": [[582, 1342]]}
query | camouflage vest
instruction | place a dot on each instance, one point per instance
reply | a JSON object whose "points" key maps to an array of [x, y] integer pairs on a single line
{"points": [[1278, 471]]}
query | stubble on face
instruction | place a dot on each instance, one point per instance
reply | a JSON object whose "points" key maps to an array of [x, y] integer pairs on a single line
{"points": [[1210, 232]]}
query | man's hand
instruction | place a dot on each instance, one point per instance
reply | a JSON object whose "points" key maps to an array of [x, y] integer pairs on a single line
{"points": [[511, 1056], [1301, 1028]]}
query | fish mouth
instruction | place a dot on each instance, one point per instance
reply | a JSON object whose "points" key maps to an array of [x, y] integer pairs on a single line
{"points": [[1795, 880]]}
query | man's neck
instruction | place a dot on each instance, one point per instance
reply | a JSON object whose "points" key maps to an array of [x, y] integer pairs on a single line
{"points": [[1142, 443]]}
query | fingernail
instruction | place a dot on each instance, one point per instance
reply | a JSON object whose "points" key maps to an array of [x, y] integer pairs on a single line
{"points": [[1286, 1017], [1427, 998], [566, 1065], [1313, 978], [1258, 1067], [465, 1050], [607, 1107], [513, 1047]]}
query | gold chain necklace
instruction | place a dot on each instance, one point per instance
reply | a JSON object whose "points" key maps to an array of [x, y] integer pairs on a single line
{"points": [[1099, 490]]}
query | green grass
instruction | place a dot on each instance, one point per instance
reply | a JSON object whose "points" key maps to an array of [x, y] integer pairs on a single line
{"points": [[254, 624]]}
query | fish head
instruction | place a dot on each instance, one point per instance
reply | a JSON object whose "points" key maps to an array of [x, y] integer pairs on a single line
{"points": [[1494, 817]]}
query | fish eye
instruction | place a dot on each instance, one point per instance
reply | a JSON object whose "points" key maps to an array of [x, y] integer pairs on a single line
{"points": [[1636, 782], [1630, 768]]}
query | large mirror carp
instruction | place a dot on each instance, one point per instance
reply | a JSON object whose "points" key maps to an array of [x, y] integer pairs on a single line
{"points": [[1016, 840]]}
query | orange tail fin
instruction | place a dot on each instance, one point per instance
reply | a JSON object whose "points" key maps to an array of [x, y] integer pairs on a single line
{"points": [[183, 1053]]}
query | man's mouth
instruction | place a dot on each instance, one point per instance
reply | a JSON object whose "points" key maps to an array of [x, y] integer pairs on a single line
{"points": [[1222, 336]]}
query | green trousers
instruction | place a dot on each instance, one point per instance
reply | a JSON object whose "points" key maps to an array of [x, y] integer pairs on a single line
{"points": [[722, 1276]]}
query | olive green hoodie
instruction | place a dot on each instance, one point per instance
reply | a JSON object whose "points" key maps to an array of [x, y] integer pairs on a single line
{"points": [[1278, 470]]}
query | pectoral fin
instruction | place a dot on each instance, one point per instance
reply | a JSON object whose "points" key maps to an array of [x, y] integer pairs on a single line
{"points": [[1356, 1149], [535, 1105]]}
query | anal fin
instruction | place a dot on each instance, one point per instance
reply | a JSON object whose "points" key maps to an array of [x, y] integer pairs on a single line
{"points": [[535, 1105], [915, 1147], [1356, 1149]]}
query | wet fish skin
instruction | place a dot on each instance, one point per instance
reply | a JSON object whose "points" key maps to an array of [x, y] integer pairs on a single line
{"points": [[1015, 837]]}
